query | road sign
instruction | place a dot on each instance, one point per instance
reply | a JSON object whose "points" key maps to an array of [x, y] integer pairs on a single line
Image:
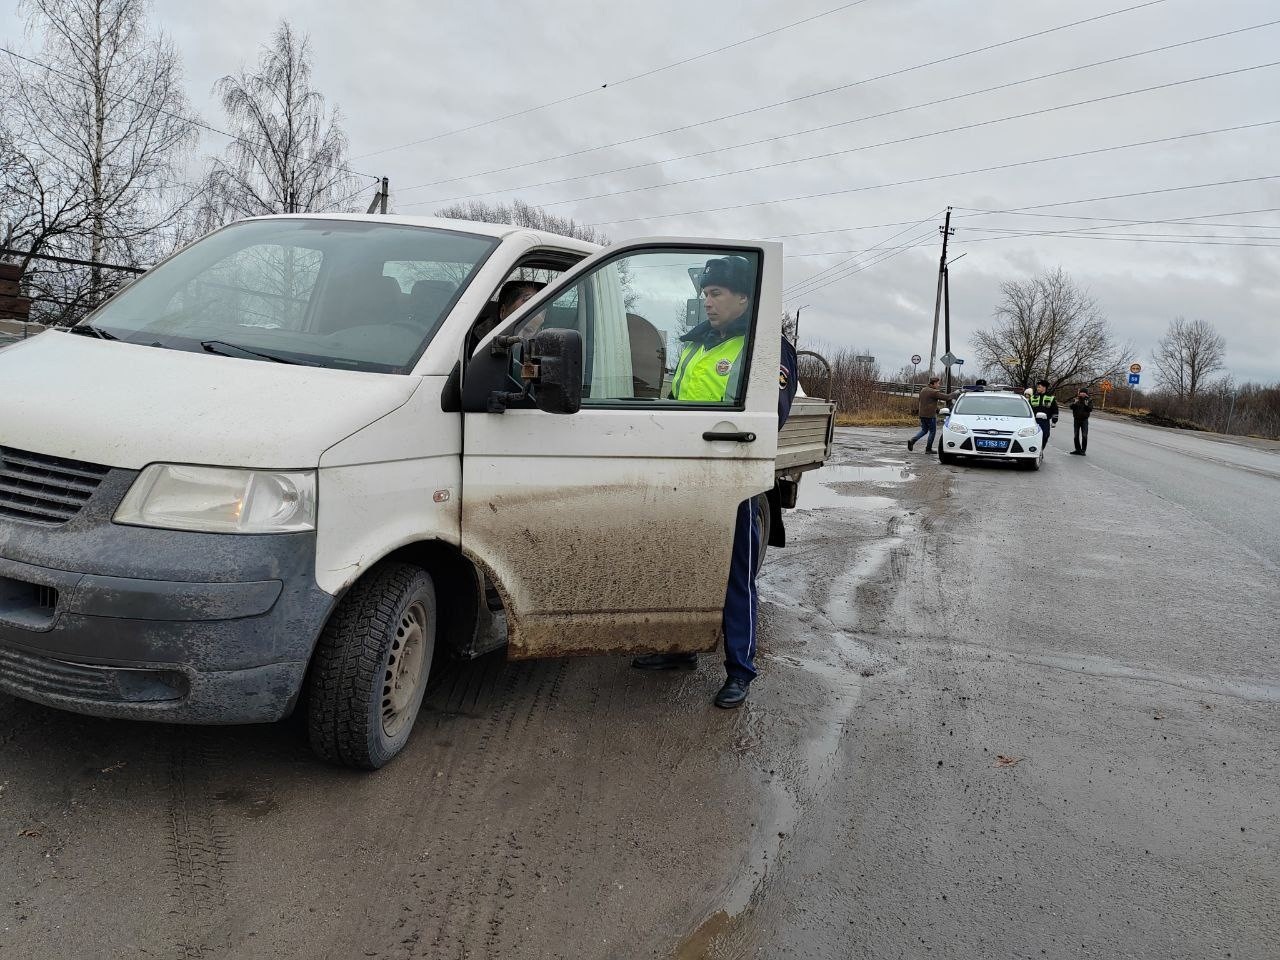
{"points": [[1105, 386], [915, 359], [950, 359], [1135, 368], [1133, 379], [865, 359]]}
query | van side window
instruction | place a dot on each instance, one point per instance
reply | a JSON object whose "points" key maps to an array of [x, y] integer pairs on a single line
{"points": [[667, 326]]}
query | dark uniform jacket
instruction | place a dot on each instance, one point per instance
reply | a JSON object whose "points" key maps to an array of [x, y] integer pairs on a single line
{"points": [[1081, 407]]}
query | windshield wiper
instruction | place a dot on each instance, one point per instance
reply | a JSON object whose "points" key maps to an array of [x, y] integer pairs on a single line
{"points": [[89, 330], [224, 349]]}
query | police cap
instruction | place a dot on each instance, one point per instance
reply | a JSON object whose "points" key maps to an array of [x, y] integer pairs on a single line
{"points": [[732, 273]]}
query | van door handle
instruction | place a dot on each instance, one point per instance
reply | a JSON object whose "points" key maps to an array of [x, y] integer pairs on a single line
{"points": [[740, 436]]}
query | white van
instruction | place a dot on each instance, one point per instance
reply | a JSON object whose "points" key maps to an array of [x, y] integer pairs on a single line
{"points": [[286, 466]]}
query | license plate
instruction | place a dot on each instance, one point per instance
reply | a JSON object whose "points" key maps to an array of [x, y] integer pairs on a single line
{"points": [[986, 444]]}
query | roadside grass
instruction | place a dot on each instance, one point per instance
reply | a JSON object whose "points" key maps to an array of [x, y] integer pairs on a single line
{"points": [[883, 412]]}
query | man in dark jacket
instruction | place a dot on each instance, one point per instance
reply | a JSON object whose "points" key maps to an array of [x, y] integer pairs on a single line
{"points": [[928, 410], [1042, 401], [1081, 407]]}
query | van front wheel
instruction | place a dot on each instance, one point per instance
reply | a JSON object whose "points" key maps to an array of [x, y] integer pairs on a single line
{"points": [[370, 667]]}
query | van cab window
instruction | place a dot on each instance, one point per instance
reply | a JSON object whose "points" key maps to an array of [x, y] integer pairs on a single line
{"points": [[661, 326], [337, 293]]}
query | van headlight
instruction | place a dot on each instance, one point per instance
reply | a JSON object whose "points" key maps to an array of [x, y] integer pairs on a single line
{"points": [[220, 500], [1028, 431], [957, 427]]}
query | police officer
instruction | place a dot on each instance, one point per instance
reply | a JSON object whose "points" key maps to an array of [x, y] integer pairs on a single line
{"points": [[1081, 407], [1042, 401], [709, 370]]}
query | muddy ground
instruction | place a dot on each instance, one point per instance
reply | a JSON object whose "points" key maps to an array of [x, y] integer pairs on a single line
{"points": [[1000, 715]]}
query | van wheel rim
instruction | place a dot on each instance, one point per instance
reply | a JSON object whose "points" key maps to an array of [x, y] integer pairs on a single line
{"points": [[404, 669]]}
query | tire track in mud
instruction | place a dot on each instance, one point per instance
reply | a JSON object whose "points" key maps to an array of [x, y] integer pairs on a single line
{"points": [[198, 846], [448, 899]]}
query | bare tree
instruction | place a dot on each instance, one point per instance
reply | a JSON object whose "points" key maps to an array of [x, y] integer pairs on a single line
{"points": [[1188, 355], [1048, 327], [521, 214], [289, 155], [99, 129]]}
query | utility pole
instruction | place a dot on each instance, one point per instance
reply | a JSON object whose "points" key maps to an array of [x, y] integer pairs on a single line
{"points": [[946, 232], [379, 201], [946, 310]]}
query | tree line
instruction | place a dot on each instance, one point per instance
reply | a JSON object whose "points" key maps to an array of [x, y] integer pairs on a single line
{"points": [[1048, 327], [96, 142]]}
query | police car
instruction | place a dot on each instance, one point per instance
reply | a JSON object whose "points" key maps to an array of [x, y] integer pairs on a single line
{"points": [[991, 426]]}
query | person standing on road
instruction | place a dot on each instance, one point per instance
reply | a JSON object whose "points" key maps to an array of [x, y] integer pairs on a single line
{"points": [[709, 371], [1042, 401], [928, 411], [1081, 407]]}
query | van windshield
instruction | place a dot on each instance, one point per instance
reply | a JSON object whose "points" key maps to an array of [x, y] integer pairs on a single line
{"points": [[335, 293], [977, 405]]}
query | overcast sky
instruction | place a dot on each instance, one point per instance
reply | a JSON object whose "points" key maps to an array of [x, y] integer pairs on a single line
{"points": [[406, 71]]}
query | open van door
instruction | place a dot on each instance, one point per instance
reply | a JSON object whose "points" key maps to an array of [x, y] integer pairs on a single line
{"points": [[610, 529]]}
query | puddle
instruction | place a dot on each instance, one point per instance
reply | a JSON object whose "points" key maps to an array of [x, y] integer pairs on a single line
{"points": [[845, 486]]}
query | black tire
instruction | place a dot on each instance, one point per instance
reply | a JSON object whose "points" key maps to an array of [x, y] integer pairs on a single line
{"points": [[360, 707], [1030, 464], [764, 523], [944, 457]]}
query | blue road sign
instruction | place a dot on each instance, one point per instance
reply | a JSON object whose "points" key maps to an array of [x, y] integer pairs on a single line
{"points": [[1134, 378]]}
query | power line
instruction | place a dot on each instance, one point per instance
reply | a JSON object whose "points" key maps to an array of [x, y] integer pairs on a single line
{"points": [[1190, 221], [168, 113], [1143, 193], [615, 84], [1094, 236], [844, 123], [1087, 232], [854, 265], [808, 96], [920, 136], [943, 176], [908, 229], [922, 240]]}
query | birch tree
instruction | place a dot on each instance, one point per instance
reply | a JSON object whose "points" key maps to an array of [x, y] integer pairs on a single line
{"points": [[101, 127], [289, 155]]}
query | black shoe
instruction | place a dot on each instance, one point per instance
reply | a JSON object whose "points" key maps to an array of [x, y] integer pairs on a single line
{"points": [[1077, 453], [911, 444], [733, 694], [666, 661], [1083, 454], [928, 449]]}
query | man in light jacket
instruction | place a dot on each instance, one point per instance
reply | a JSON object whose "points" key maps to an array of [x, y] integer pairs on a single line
{"points": [[929, 397]]}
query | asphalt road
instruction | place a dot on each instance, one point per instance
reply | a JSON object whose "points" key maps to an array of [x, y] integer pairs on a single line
{"points": [[1000, 715]]}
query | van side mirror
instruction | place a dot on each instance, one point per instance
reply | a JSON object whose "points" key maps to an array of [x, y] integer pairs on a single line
{"points": [[944, 412], [549, 372], [553, 368]]}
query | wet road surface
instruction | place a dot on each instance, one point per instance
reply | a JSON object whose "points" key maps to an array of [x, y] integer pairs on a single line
{"points": [[1000, 715]]}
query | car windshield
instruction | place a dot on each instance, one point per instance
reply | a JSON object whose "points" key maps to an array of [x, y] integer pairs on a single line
{"points": [[353, 294], [976, 405]]}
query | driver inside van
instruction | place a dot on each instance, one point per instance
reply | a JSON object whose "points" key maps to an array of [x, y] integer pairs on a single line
{"points": [[709, 370]]}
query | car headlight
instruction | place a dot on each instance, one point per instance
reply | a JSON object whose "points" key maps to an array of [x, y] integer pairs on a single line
{"points": [[957, 427], [1028, 431], [220, 500]]}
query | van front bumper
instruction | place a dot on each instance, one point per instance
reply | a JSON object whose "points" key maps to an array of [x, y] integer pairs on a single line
{"points": [[131, 622]]}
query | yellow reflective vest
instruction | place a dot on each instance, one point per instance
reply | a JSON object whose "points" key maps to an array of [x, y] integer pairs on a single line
{"points": [[708, 374]]}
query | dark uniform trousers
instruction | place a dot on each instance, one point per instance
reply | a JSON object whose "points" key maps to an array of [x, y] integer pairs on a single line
{"points": [[741, 601]]}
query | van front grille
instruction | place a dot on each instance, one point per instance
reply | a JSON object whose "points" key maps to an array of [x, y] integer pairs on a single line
{"points": [[39, 488]]}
